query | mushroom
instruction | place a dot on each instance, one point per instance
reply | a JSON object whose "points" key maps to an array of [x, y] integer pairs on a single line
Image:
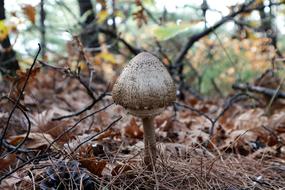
{"points": [[145, 89]]}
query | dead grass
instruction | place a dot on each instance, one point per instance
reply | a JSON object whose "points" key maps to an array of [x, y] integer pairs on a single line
{"points": [[196, 170], [201, 172]]}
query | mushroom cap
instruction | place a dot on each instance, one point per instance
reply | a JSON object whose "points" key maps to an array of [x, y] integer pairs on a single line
{"points": [[144, 86]]}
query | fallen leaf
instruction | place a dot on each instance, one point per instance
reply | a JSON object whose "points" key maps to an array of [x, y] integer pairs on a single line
{"points": [[277, 122], [93, 165], [34, 141], [133, 130], [6, 162]]}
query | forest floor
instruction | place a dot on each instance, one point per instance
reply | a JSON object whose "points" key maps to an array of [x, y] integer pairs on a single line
{"points": [[230, 143]]}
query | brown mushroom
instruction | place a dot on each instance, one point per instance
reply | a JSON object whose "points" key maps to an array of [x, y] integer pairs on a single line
{"points": [[145, 89]]}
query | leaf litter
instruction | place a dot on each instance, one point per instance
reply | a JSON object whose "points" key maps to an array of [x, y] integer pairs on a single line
{"points": [[245, 151]]}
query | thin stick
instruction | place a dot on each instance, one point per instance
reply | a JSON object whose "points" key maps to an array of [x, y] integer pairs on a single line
{"points": [[104, 130], [19, 98], [71, 128]]}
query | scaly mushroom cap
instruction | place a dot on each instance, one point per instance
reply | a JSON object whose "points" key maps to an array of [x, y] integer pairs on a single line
{"points": [[144, 87]]}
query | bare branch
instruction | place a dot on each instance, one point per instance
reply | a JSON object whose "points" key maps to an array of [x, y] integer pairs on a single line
{"points": [[76, 124], [259, 89], [113, 34], [104, 130], [19, 97], [194, 38]]}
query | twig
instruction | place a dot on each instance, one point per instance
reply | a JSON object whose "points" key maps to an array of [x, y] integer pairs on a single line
{"points": [[19, 97], [267, 110], [259, 89], [207, 31], [13, 101], [104, 130], [22, 165], [216, 87], [176, 104], [94, 101], [64, 70], [150, 15], [228, 104], [17, 148], [213, 121], [112, 34], [71, 128], [244, 8], [83, 83]]}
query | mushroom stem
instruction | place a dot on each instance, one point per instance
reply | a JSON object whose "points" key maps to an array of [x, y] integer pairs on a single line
{"points": [[149, 142]]}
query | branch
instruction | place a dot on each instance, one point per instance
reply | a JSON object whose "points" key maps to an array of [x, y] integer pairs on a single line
{"points": [[110, 33], [259, 89], [76, 124], [23, 164], [103, 131], [194, 38], [113, 34], [10, 147], [83, 83], [94, 101], [234, 99]]}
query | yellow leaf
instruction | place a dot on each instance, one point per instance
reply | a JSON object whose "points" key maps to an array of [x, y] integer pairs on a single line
{"points": [[74, 65], [94, 166], [171, 30], [3, 30], [106, 56], [102, 16], [258, 2]]}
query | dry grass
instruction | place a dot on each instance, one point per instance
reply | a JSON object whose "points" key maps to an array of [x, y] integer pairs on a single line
{"points": [[201, 172], [196, 170]]}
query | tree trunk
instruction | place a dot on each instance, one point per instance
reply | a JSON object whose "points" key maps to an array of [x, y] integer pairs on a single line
{"points": [[89, 34], [43, 30], [8, 61]]}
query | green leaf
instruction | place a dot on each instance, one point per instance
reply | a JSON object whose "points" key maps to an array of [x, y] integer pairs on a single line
{"points": [[171, 30], [148, 2]]}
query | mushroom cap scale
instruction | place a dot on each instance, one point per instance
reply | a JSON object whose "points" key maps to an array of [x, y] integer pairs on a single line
{"points": [[143, 85]]}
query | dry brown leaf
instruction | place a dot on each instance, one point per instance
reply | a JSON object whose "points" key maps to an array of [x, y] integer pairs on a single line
{"points": [[44, 124], [277, 122], [268, 79], [19, 81], [240, 141], [109, 133], [195, 137], [103, 117], [139, 15], [10, 182], [30, 12], [34, 141], [133, 130], [192, 101], [93, 165], [264, 153], [249, 119], [6, 162]]}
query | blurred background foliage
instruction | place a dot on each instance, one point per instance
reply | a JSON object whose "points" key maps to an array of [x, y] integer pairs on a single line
{"points": [[238, 51]]}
